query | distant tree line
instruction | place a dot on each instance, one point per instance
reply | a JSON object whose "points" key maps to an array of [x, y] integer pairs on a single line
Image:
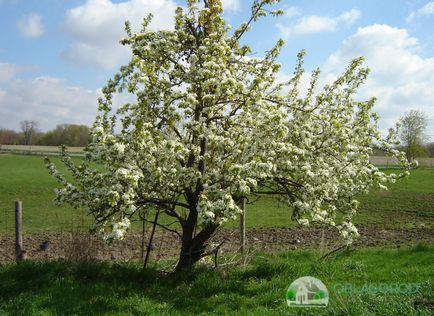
{"points": [[64, 134], [413, 139]]}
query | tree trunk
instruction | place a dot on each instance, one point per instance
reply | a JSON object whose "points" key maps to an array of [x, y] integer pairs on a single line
{"points": [[193, 247]]}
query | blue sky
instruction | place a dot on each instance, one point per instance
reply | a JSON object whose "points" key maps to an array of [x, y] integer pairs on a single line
{"points": [[56, 55]]}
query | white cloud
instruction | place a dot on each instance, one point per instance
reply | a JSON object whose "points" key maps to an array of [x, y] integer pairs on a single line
{"points": [[316, 24], [400, 78], [98, 25], [48, 100], [410, 17], [292, 11], [427, 9], [308, 25], [349, 17], [31, 26], [231, 5], [9, 71], [303, 85]]}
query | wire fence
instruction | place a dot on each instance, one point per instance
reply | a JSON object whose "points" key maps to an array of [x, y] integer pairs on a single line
{"points": [[73, 241], [39, 150], [392, 162], [382, 161]]}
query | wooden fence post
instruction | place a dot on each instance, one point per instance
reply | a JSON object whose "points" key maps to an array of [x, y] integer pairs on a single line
{"points": [[148, 250], [243, 225], [143, 238], [18, 232]]}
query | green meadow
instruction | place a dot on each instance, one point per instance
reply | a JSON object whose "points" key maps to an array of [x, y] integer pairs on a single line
{"points": [[256, 288], [407, 203], [360, 282]]}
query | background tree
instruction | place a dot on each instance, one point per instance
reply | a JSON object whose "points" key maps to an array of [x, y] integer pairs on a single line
{"points": [[211, 126], [66, 134], [29, 129], [10, 137], [413, 126], [63, 134], [430, 149]]}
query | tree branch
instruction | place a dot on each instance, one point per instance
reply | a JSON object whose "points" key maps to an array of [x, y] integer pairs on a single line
{"points": [[246, 26], [165, 227]]}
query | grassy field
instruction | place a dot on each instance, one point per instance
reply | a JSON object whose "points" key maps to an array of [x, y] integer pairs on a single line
{"points": [[409, 202], [259, 288], [95, 288]]}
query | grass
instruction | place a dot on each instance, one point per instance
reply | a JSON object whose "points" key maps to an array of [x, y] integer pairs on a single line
{"points": [[409, 202], [109, 288], [26, 178], [96, 288]]}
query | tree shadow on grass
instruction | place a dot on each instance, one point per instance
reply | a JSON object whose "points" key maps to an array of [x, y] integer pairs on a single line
{"points": [[107, 288]]}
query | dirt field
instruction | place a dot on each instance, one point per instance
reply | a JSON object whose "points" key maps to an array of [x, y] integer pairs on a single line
{"points": [[82, 246]]}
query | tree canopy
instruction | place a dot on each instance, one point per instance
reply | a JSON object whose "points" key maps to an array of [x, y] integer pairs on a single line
{"points": [[211, 125], [66, 134], [413, 126], [29, 129]]}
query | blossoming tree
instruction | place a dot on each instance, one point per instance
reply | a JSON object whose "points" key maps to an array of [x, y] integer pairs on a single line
{"points": [[211, 125]]}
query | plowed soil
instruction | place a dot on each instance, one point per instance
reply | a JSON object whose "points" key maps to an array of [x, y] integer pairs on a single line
{"points": [[79, 246]]}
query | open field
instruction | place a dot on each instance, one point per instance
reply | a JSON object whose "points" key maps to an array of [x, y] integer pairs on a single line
{"points": [[26, 178], [396, 247], [402, 216], [101, 288], [408, 203]]}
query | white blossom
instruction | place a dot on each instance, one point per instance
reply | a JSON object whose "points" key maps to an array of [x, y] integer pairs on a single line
{"points": [[210, 126]]}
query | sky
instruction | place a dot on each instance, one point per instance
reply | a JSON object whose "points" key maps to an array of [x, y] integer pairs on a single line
{"points": [[55, 56]]}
